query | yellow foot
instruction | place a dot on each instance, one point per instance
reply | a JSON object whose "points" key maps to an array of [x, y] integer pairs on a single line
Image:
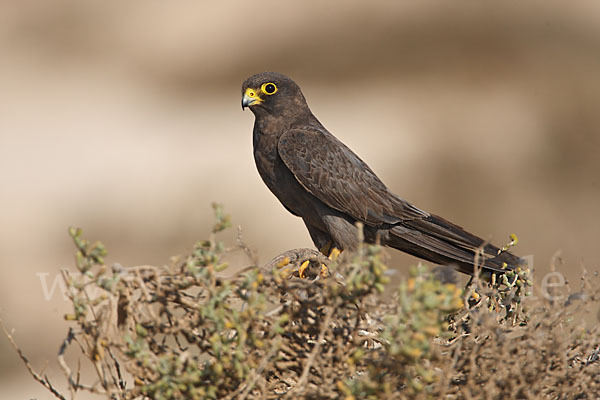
{"points": [[302, 269], [304, 266], [285, 261], [335, 253], [324, 271]]}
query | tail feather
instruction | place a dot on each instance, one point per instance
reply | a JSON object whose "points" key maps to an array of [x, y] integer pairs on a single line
{"points": [[440, 241]]}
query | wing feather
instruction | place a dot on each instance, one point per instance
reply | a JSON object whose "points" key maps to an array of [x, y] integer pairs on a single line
{"points": [[333, 173]]}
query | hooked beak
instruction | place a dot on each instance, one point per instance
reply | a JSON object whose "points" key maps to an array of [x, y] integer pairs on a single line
{"points": [[250, 98], [246, 101]]}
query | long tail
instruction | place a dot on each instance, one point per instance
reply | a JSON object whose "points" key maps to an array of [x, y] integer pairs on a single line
{"points": [[439, 241]]}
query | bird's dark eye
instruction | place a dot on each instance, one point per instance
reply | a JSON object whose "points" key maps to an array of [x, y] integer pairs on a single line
{"points": [[269, 88]]}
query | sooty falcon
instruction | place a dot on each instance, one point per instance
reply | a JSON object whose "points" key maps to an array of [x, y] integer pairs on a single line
{"points": [[319, 179]]}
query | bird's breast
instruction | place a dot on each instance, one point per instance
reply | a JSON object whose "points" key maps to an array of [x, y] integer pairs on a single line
{"points": [[265, 157], [278, 178]]}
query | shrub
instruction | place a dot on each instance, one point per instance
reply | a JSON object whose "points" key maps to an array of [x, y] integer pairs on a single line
{"points": [[189, 331]]}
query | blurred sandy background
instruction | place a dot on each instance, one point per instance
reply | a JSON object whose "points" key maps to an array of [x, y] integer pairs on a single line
{"points": [[125, 119]]}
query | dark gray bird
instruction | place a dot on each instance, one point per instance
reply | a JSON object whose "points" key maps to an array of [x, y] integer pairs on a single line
{"points": [[319, 179]]}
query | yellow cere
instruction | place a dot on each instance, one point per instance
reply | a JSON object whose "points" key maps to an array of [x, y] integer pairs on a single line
{"points": [[253, 95]]}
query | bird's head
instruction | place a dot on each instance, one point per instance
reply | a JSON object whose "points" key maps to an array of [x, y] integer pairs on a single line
{"points": [[273, 93]]}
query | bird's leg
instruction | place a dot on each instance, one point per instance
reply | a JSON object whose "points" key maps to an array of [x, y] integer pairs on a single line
{"points": [[326, 249], [302, 269], [303, 258], [298, 257], [334, 253]]}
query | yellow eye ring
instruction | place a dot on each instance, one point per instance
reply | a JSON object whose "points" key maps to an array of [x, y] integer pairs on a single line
{"points": [[269, 88]]}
